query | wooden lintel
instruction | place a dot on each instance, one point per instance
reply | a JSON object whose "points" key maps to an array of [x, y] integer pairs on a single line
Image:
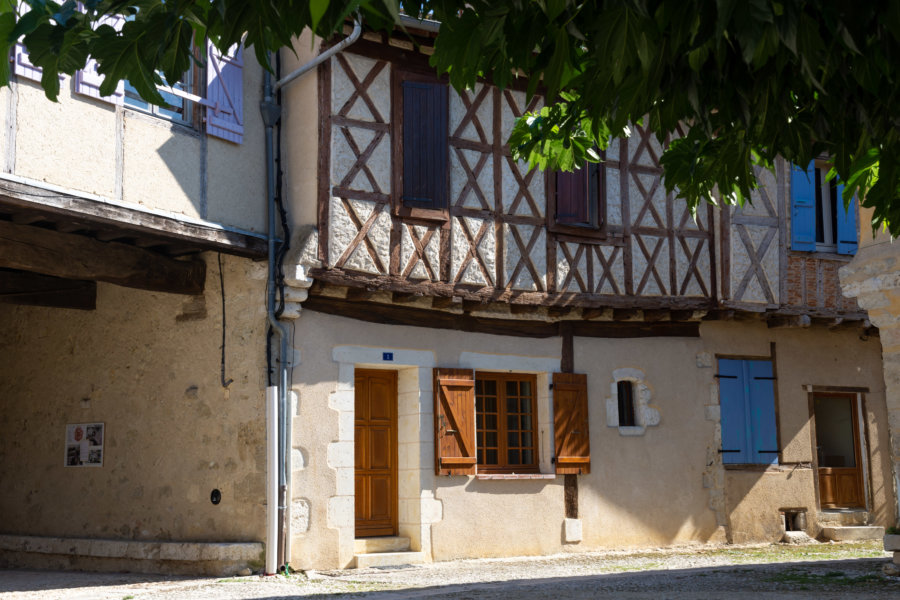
{"points": [[34, 289], [658, 314], [522, 309], [788, 321], [682, 315], [27, 218], [596, 313], [719, 315], [470, 305], [359, 294], [404, 297], [73, 256], [390, 314], [61, 206], [558, 311], [626, 314], [445, 301]]}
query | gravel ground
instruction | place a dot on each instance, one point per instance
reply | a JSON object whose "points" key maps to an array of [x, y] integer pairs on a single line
{"points": [[815, 571]]}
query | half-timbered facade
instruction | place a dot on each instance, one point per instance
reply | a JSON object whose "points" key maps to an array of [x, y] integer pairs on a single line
{"points": [[496, 361]]}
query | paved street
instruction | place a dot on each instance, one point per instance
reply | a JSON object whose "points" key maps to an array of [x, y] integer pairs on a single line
{"points": [[819, 571]]}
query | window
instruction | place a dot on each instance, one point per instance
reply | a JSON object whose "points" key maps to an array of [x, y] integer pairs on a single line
{"points": [[747, 402], [421, 112], [819, 221], [625, 394], [577, 202], [505, 422], [176, 108], [488, 423]]}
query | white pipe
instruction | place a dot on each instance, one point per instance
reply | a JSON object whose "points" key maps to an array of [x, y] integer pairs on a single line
{"points": [[354, 35], [271, 480]]}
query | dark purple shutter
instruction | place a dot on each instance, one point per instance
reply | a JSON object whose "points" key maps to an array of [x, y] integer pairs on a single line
{"points": [[424, 144], [573, 197]]}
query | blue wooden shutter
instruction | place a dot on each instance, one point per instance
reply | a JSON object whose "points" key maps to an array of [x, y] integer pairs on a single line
{"points": [[225, 94], [733, 407], [846, 223], [761, 412], [803, 208], [425, 144]]}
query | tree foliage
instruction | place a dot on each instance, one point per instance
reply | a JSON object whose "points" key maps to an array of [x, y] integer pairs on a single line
{"points": [[754, 79]]}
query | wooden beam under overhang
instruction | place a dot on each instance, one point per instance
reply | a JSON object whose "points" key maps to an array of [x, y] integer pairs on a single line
{"points": [[389, 314], [33, 289], [71, 256], [59, 206]]}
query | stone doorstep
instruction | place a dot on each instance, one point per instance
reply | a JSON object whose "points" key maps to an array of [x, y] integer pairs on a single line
{"points": [[839, 518], [389, 559], [137, 550], [853, 533], [892, 543], [374, 545]]}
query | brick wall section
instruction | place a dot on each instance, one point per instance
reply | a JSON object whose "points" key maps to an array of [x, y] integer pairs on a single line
{"points": [[814, 282]]}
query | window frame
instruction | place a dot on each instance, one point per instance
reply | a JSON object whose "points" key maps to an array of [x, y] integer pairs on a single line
{"points": [[191, 109], [825, 212], [399, 75], [597, 229], [502, 466]]}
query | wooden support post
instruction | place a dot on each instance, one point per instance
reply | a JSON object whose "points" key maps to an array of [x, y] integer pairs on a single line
{"points": [[567, 365], [71, 256]]}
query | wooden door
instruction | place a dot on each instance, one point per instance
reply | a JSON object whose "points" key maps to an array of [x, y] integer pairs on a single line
{"points": [[838, 451], [376, 453]]}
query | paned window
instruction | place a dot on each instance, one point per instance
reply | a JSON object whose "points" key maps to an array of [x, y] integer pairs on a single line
{"points": [[505, 422], [176, 108], [747, 402], [819, 221]]}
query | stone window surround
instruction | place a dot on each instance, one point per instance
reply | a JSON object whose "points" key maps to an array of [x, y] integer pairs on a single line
{"points": [[417, 505], [644, 415]]}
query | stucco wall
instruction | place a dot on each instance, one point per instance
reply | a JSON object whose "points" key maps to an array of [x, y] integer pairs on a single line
{"points": [[148, 366], [136, 159], [663, 485]]}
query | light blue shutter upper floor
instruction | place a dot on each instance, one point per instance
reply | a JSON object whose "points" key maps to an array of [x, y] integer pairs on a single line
{"points": [[846, 224], [803, 208]]}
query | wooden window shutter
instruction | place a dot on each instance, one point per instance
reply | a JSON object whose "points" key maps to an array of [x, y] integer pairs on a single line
{"points": [[733, 415], [225, 94], [570, 423], [572, 197], [88, 80], [425, 144], [803, 208], [846, 223], [761, 412], [454, 422]]}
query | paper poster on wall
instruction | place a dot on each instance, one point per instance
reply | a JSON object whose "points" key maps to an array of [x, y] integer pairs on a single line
{"points": [[84, 445]]}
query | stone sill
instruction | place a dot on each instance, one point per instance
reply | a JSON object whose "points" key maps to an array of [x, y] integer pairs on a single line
{"points": [[140, 550], [515, 476]]}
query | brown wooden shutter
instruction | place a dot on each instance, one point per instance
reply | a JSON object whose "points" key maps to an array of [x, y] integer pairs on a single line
{"points": [[425, 144], [454, 422], [570, 423], [572, 197]]}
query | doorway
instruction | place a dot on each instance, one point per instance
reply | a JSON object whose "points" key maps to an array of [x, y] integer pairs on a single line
{"points": [[375, 430], [838, 450]]}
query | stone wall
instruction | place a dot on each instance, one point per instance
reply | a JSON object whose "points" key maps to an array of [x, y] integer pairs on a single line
{"points": [[147, 365]]}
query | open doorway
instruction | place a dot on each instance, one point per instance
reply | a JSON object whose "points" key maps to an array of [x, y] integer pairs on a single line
{"points": [[838, 450]]}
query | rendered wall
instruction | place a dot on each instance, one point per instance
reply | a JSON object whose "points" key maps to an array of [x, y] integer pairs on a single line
{"points": [[148, 366], [663, 485], [132, 158]]}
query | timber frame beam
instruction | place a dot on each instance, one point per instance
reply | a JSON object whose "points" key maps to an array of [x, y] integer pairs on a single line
{"points": [[72, 256]]}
